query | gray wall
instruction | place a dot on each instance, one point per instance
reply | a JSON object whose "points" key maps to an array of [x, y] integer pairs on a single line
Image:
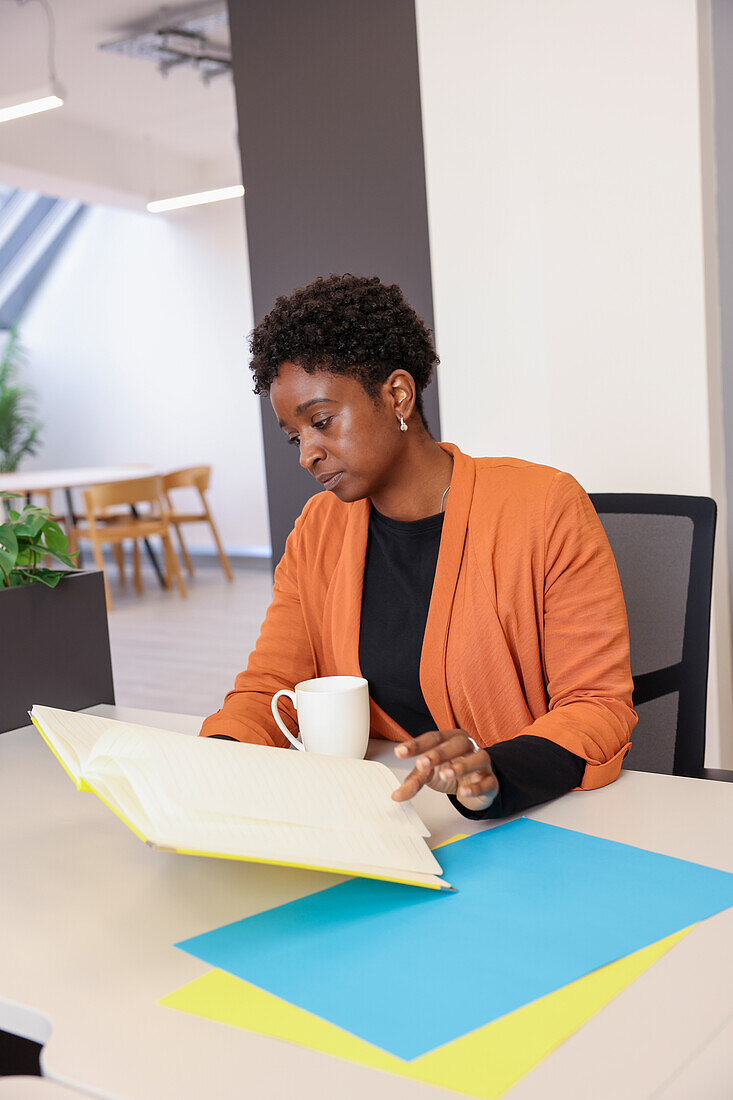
{"points": [[330, 134]]}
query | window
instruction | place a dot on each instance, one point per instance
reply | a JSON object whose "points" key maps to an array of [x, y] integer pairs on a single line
{"points": [[33, 230]]}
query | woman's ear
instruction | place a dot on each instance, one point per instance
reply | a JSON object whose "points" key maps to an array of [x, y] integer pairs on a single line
{"points": [[400, 392]]}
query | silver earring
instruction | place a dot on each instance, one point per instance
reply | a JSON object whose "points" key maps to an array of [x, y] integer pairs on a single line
{"points": [[403, 426]]}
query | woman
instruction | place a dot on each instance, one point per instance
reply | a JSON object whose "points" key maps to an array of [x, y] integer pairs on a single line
{"points": [[478, 597]]}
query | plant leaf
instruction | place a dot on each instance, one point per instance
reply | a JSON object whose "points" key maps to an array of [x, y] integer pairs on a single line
{"points": [[19, 429], [8, 547], [8, 537], [34, 521], [49, 577], [7, 561], [55, 539], [65, 559]]}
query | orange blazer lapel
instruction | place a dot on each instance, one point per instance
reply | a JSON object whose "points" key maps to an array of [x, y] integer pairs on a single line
{"points": [[432, 662], [342, 610]]}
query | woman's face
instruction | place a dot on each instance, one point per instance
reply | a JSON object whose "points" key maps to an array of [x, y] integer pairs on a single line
{"points": [[345, 439]]}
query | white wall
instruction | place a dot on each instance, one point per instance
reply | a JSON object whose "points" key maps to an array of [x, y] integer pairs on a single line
{"points": [[563, 166], [138, 352]]}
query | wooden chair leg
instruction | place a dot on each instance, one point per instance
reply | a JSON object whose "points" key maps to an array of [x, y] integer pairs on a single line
{"points": [[173, 568], [137, 572], [220, 549], [70, 530], [167, 574], [119, 554], [184, 551]]}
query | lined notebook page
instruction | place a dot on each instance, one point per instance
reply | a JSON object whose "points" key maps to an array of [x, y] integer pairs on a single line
{"points": [[294, 844], [143, 801], [130, 766], [72, 735], [117, 793], [256, 781], [170, 826]]}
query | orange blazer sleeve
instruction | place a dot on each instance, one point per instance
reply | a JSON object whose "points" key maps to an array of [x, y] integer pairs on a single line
{"points": [[282, 658], [586, 647]]}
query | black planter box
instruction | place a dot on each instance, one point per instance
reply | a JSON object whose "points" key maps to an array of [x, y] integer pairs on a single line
{"points": [[54, 647]]}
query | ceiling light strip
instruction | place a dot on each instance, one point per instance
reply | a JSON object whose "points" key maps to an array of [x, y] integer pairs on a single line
{"points": [[30, 107], [197, 199]]}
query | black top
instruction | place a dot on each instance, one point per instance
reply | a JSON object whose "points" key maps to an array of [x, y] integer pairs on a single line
{"points": [[398, 581]]}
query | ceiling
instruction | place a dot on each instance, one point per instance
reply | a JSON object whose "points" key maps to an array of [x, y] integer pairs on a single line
{"points": [[167, 130]]}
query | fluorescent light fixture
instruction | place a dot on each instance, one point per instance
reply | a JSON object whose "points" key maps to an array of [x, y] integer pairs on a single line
{"points": [[197, 199], [32, 102]]}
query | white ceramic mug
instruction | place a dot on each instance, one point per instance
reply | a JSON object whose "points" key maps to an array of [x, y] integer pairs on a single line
{"points": [[333, 715]]}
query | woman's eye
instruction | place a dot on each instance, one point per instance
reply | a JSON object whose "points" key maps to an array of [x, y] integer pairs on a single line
{"points": [[319, 425]]}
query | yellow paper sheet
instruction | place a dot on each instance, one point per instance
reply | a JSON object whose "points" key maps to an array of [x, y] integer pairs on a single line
{"points": [[484, 1063]]}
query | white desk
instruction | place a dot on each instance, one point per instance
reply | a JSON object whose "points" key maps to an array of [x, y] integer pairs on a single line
{"points": [[79, 477], [36, 1088], [89, 916]]}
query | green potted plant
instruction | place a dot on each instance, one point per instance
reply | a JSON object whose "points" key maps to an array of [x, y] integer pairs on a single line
{"points": [[54, 638], [26, 538], [19, 430]]}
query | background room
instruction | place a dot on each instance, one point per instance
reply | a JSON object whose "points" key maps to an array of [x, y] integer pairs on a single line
{"points": [[440, 623], [568, 261], [133, 324]]}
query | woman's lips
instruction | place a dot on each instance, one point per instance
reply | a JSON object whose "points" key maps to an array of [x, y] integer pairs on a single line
{"points": [[333, 481]]}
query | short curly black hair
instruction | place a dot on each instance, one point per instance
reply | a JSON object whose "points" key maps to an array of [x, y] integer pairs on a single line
{"points": [[345, 324]]}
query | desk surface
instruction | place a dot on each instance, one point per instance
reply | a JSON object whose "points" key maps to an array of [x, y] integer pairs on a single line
{"points": [[90, 915], [36, 1088]]}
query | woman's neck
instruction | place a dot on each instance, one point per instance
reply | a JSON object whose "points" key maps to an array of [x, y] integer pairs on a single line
{"points": [[417, 481]]}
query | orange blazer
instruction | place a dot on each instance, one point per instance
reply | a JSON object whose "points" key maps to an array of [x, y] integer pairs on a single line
{"points": [[526, 631]]}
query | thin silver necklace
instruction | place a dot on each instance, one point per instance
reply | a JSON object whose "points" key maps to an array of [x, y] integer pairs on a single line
{"points": [[442, 499]]}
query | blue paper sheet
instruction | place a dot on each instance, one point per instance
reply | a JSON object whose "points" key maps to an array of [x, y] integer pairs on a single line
{"points": [[408, 970]]}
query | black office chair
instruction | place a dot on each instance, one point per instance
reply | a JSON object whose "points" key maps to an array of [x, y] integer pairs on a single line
{"points": [[663, 546]]}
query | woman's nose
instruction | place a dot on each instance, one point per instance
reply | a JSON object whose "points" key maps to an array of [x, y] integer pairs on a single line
{"points": [[310, 452]]}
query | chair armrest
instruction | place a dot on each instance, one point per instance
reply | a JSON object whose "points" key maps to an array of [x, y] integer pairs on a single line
{"points": [[721, 774]]}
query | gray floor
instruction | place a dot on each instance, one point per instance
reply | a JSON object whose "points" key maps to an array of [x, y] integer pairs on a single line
{"points": [[182, 655]]}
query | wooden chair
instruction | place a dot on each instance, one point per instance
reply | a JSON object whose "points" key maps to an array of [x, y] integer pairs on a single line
{"points": [[103, 526], [69, 524], [194, 477]]}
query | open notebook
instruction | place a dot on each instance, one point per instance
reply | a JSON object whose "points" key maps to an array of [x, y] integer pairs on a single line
{"points": [[207, 797]]}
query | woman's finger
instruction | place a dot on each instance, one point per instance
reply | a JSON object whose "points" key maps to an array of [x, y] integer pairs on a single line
{"points": [[462, 765], [421, 743], [452, 747], [478, 783], [411, 785], [442, 762]]}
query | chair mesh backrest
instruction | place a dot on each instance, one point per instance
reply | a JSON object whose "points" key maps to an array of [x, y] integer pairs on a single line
{"points": [[663, 546]]}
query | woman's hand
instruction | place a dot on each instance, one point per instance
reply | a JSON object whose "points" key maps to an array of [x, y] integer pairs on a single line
{"points": [[448, 762]]}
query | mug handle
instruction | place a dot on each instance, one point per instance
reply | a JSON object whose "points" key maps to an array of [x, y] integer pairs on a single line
{"points": [[276, 715]]}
